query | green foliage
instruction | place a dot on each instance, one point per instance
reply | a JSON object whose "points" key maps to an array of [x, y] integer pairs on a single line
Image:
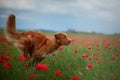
{"points": [[105, 63]]}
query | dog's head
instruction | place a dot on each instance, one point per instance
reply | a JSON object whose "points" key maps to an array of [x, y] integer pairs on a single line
{"points": [[62, 38]]}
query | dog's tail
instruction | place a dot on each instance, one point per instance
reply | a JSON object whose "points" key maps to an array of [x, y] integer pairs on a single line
{"points": [[10, 29]]}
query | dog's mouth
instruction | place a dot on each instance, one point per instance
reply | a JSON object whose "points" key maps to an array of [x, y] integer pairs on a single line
{"points": [[68, 42]]}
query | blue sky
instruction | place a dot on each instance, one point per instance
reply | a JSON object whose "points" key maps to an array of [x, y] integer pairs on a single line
{"points": [[102, 16]]}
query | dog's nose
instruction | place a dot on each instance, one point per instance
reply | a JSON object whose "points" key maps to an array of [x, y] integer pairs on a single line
{"points": [[69, 40]]}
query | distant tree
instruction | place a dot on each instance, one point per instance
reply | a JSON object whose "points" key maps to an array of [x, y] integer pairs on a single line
{"points": [[72, 31]]}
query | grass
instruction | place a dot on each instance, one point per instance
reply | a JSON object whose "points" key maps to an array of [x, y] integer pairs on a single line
{"points": [[105, 62]]}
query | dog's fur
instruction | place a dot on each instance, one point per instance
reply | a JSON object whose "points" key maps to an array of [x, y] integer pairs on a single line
{"points": [[34, 45]]}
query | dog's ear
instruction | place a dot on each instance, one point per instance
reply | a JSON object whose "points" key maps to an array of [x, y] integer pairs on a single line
{"points": [[60, 35], [56, 35]]}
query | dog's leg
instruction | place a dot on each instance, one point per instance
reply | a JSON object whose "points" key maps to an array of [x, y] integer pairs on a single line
{"points": [[39, 55], [23, 49], [37, 60]]}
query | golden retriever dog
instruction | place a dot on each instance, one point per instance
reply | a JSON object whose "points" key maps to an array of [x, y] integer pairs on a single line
{"points": [[34, 45]]}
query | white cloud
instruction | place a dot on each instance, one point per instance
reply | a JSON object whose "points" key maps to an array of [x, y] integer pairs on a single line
{"points": [[14, 4], [5, 14], [107, 4], [2, 16], [96, 8], [24, 16], [107, 15]]}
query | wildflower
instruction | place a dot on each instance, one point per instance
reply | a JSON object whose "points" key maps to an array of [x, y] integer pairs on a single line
{"points": [[90, 48], [97, 45], [89, 65], [32, 76], [73, 40], [89, 58], [7, 58], [4, 49], [113, 58], [118, 54], [2, 39], [21, 58], [7, 65], [110, 48], [61, 48], [96, 58], [100, 62], [25, 64], [74, 78], [85, 55], [58, 72], [41, 66], [95, 54], [106, 46], [102, 55], [98, 49], [1, 60], [75, 51], [10, 43]]}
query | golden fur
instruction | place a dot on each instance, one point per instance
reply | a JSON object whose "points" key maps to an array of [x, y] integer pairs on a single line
{"points": [[34, 45]]}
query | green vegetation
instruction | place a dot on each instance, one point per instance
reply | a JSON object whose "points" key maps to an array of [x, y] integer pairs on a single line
{"points": [[87, 58]]}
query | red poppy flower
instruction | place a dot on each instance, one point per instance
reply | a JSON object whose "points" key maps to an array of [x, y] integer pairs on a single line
{"points": [[25, 64], [97, 45], [32, 76], [21, 58], [10, 43], [1, 60], [73, 40], [74, 78], [85, 55], [41, 66], [102, 55], [7, 65], [7, 58], [5, 47], [96, 58], [89, 65], [89, 48], [98, 49], [107, 45], [95, 54], [100, 62], [75, 51], [61, 48], [110, 48], [2, 39], [89, 58], [58, 72], [113, 58], [118, 54]]}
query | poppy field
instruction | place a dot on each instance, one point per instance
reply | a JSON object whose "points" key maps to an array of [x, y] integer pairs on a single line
{"points": [[88, 57]]}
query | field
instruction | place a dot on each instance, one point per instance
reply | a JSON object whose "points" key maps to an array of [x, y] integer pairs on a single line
{"points": [[89, 57]]}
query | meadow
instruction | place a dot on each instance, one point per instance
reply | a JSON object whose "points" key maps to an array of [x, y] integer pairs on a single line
{"points": [[89, 57]]}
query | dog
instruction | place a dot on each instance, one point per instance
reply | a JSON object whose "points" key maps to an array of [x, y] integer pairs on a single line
{"points": [[34, 45]]}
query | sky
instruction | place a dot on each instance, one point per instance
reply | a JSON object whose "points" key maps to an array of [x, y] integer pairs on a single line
{"points": [[101, 16]]}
